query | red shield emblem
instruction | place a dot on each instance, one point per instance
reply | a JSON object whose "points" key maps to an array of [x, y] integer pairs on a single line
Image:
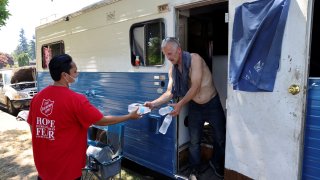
{"points": [[46, 107]]}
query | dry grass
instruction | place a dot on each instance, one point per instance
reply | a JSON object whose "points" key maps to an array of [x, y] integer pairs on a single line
{"points": [[16, 159]]}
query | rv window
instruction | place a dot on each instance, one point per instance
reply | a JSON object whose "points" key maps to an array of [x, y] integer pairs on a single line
{"points": [[145, 44], [50, 50]]}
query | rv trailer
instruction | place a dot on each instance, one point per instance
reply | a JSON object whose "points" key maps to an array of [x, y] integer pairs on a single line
{"points": [[116, 46]]}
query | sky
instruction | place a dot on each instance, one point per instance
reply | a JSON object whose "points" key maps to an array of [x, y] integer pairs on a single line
{"points": [[28, 14]]}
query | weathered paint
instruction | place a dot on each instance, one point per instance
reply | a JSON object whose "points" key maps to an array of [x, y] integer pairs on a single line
{"points": [[265, 130]]}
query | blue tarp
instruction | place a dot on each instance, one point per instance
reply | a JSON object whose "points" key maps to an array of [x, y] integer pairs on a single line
{"points": [[256, 44]]}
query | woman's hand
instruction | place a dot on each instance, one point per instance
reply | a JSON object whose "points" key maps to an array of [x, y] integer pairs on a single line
{"points": [[134, 114]]}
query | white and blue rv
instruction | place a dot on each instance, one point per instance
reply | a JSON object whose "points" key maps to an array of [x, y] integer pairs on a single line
{"points": [[116, 46]]}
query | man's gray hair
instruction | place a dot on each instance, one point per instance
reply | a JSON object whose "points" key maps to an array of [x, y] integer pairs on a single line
{"points": [[171, 40]]}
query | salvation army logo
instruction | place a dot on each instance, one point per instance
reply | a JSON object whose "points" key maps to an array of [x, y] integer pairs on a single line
{"points": [[46, 107]]}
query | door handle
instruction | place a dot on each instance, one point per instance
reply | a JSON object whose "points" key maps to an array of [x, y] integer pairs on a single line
{"points": [[294, 89]]}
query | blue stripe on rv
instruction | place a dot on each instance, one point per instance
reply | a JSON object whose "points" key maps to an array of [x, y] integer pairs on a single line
{"points": [[112, 92], [311, 159]]}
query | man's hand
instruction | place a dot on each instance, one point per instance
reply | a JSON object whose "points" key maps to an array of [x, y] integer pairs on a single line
{"points": [[149, 105], [176, 109], [134, 114]]}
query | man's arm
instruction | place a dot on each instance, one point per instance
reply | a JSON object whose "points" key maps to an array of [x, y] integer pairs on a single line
{"points": [[165, 97], [195, 76]]}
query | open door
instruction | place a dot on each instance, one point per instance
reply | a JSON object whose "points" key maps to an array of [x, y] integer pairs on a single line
{"points": [[203, 28], [265, 129]]}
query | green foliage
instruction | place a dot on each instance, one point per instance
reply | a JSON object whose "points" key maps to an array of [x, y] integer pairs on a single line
{"points": [[25, 51], [154, 54], [23, 59], [32, 48], [4, 13], [23, 45]]}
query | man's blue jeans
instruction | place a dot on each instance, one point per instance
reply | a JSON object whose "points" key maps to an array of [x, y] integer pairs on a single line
{"points": [[213, 113]]}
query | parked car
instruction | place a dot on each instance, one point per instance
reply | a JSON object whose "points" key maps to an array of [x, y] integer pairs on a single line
{"points": [[17, 88]]}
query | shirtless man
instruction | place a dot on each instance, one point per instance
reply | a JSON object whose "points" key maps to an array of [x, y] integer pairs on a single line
{"points": [[191, 79]]}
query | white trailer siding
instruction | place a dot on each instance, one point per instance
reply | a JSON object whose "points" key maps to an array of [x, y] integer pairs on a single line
{"points": [[265, 130]]}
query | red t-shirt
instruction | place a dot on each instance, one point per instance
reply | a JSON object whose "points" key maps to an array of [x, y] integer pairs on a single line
{"points": [[59, 119]]}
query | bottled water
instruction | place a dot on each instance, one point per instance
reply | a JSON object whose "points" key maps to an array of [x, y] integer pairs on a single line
{"points": [[142, 109], [165, 124], [133, 107], [165, 110]]}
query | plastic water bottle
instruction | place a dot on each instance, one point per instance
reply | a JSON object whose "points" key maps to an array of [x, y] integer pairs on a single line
{"points": [[165, 124], [165, 110], [142, 109]]}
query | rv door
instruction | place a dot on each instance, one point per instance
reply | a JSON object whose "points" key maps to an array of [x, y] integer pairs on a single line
{"points": [[265, 129]]}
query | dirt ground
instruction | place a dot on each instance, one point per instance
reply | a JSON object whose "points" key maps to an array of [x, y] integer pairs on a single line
{"points": [[16, 159]]}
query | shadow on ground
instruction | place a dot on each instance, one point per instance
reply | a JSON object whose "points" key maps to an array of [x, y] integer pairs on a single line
{"points": [[16, 160]]}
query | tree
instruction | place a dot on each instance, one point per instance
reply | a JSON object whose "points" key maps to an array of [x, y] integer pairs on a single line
{"points": [[32, 48], [5, 60], [154, 52], [23, 59], [4, 13], [23, 45], [22, 52]]}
